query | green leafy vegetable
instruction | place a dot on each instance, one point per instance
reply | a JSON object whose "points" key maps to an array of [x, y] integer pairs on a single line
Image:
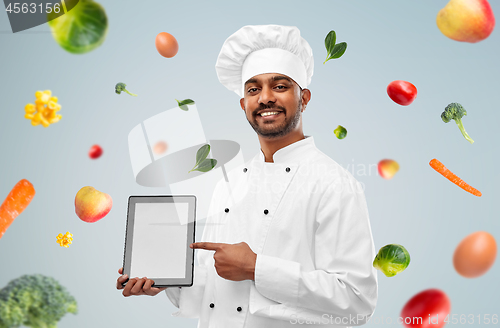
{"points": [[455, 111], [330, 40], [392, 259], [206, 165], [338, 50], [202, 153], [202, 163], [34, 301], [333, 51], [119, 87], [81, 29], [183, 104], [340, 132]]}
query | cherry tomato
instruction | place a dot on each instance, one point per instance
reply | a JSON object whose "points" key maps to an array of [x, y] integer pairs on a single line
{"points": [[433, 302], [95, 152], [402, 92]]}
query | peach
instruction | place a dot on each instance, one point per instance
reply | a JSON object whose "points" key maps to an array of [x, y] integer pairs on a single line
{"points": [[466, 20], [387, 168], [91, 205]]}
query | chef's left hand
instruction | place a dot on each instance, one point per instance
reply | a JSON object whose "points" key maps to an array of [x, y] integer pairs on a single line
{"points": [[232, 261]]}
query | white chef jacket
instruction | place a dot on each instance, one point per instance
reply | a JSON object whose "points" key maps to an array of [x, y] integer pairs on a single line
{"points": [[306, 219]]}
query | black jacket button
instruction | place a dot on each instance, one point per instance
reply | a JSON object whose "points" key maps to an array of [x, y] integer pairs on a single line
{"points": [[266, 211], [287, 169], [245, 170], [212, 305], [238, 309], [226, 210]]}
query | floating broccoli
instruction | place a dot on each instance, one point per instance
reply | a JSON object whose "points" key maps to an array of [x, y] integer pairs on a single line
{"points": [[455, 111], [121, 87], [34, 301]]}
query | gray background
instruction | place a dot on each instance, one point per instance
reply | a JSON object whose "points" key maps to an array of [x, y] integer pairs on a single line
{"points": [[387, 40]]}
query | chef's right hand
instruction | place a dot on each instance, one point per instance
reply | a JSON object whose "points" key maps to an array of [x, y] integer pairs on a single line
{"points": [[136, 286]]}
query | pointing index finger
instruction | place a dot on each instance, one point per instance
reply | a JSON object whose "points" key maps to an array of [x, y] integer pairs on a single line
{"points": [[206, 245]]}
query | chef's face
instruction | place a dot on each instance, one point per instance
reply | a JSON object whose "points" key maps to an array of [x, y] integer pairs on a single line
{"points": [[273, 104]]}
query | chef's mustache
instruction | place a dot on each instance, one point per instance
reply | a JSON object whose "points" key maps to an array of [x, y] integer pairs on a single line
{"points": [[269, 106]]}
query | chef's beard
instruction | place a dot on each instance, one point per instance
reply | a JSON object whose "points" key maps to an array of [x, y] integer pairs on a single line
{"points": [[283, 129]]}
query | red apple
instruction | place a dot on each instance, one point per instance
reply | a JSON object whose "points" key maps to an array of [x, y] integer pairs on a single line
{"points": [[91, 205], [466, 20]]}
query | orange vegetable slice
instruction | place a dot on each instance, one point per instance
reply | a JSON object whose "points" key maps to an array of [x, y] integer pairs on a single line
{"points": [[16, 202]]}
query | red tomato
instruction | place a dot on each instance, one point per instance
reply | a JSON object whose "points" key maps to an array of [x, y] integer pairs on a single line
{"points": [[95, 151], [431, 302], [402, 92]]}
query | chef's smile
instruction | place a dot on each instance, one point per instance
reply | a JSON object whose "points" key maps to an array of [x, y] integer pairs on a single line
{"points": [[270, 115]]}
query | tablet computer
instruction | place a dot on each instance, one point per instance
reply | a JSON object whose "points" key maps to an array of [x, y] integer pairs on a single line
{"points": [[159, 232]]}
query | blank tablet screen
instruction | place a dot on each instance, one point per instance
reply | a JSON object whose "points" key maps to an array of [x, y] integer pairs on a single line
{"points": [[159, 231]]}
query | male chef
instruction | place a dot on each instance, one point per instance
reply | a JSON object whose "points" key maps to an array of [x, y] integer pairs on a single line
{"points": [[287, 240]]}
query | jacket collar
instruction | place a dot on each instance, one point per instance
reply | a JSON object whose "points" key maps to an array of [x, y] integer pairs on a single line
{"points": [[292, 153]]}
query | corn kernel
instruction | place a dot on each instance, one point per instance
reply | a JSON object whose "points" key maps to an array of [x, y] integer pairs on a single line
{"points": [[48, 92], [45, 98], [38, 94], [40, 107], [54, 120], [34, 123], [45, 123], [54, 99], [29, 116], [51, 105], [42, 118], [58, 107], [29, 108]]}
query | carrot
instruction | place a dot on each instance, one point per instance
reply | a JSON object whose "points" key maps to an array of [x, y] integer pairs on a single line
{"points": [[18, 199], [440, 168]]}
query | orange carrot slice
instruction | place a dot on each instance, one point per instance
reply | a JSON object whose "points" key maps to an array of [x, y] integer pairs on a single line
{"points": [[440, 168], [18, 199]]}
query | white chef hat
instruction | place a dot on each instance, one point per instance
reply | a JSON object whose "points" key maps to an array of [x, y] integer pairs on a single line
{"points": [[260, 49]]}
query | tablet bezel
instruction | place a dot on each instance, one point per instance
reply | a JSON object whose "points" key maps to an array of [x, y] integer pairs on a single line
{"points": [[127, 253]]}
